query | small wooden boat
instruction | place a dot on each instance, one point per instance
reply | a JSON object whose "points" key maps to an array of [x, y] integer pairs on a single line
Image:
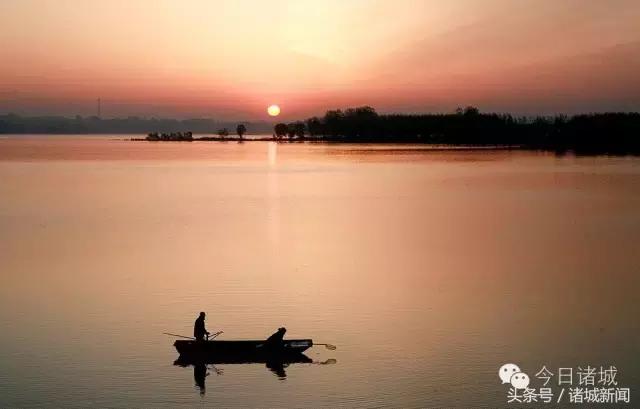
{"points": [[255, 351]]}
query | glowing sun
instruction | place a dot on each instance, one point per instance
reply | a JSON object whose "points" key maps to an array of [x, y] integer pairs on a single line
{"points": [[273, 110]]}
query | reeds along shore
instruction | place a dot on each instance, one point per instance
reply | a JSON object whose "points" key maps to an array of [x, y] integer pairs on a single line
{"points": [[173, 136]]}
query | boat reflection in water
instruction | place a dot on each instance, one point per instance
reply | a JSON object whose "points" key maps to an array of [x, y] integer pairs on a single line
{"points": [[199, 375], [204, 355], [275, 364]]}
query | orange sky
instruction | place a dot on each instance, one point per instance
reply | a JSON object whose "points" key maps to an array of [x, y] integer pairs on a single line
{"points": [[231, 59]]}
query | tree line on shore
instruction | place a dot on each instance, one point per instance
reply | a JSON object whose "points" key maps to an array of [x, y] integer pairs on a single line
{"points": [[616, 133]]}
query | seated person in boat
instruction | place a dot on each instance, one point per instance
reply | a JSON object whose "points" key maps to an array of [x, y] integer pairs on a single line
{"points": [[199, 331], [276, 340]]}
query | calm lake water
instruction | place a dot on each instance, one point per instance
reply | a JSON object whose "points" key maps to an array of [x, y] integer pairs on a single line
{"points": [[428, 269]]}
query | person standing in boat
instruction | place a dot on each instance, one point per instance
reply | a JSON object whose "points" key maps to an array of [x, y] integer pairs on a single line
{"points": [[199, 331]]}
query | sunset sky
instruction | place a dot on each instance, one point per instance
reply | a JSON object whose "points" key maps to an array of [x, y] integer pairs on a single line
{"points": [[231, 59]]}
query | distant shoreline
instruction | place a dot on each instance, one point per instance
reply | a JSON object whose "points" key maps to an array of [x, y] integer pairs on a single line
{"points": [[614, 133]]}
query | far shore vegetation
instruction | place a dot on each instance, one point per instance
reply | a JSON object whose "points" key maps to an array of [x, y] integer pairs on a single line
{"points": [[594, 133]]}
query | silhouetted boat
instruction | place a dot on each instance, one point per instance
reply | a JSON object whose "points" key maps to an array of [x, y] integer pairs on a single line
{"points": [[241, 351]]}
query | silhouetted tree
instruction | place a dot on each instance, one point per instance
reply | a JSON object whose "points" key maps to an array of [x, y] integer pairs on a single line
{"points": [[471, 111], [361, 122], [298, 129], [281, 130], [314, 126], [332, 122], [241, 130], [291, 130], [468, 111]]}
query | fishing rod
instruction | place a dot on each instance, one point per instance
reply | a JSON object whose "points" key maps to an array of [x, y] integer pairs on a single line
{"points": [[330, 347], [176, 335], [182, 336]]}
